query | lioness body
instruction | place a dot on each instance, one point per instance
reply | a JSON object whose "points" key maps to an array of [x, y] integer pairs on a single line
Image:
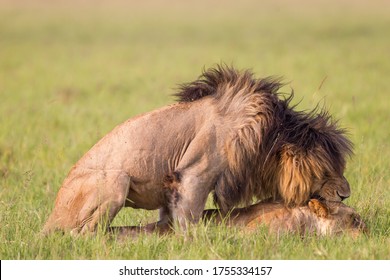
{"points": [[319, 218]]}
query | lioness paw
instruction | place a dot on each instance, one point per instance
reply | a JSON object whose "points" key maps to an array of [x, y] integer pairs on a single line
{"points": [[318, 208]]}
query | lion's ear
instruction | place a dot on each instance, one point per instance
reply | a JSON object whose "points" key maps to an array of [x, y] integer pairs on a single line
{"points": [[318, 208]]}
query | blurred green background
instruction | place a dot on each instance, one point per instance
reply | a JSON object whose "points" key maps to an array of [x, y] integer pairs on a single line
{"points": [[72, 70]]}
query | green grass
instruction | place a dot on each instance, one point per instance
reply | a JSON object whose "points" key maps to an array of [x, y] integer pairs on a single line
{"points": [[69, 74]]}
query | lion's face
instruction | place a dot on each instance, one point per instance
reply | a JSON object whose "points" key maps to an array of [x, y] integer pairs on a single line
{"points": [[332, 188], [306, 174]]}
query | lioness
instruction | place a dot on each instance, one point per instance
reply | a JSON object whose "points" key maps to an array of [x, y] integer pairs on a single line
{"points": [[230, 135], [320, 218]]}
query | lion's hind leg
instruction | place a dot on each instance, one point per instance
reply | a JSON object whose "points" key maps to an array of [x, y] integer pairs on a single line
{"points": [[88, 200], [106, 199]]}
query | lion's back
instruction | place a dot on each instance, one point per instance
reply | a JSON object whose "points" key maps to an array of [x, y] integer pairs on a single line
{"points": [[149, 146]]}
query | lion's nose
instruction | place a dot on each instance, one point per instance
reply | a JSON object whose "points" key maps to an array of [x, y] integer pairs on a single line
{"points": [[342, 195]]}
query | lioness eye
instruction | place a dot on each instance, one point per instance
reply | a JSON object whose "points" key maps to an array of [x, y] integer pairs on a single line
{"points": [[356, 221]]}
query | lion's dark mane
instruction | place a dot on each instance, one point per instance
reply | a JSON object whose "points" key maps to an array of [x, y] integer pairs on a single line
{"points": [[266, 129]]}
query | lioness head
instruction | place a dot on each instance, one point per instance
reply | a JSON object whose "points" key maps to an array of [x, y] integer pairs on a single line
{"points": [[336, 217]]}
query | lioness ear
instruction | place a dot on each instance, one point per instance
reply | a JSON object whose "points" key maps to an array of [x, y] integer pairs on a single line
{"points": [[318, 208]]}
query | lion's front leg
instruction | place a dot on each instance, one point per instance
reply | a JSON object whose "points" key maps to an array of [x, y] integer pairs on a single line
{"points": [[195, 176], [186, 197]]}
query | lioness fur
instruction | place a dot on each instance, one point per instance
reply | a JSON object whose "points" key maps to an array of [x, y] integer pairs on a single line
{"points": [[318, 218], [230, 134]]}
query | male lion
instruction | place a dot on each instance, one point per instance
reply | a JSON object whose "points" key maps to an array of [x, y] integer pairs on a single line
{"points": [[230, 134], [320, 218]]}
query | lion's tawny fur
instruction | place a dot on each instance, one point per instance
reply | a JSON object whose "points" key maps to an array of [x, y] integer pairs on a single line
{"points": [[272, 149], [230, 134]]}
